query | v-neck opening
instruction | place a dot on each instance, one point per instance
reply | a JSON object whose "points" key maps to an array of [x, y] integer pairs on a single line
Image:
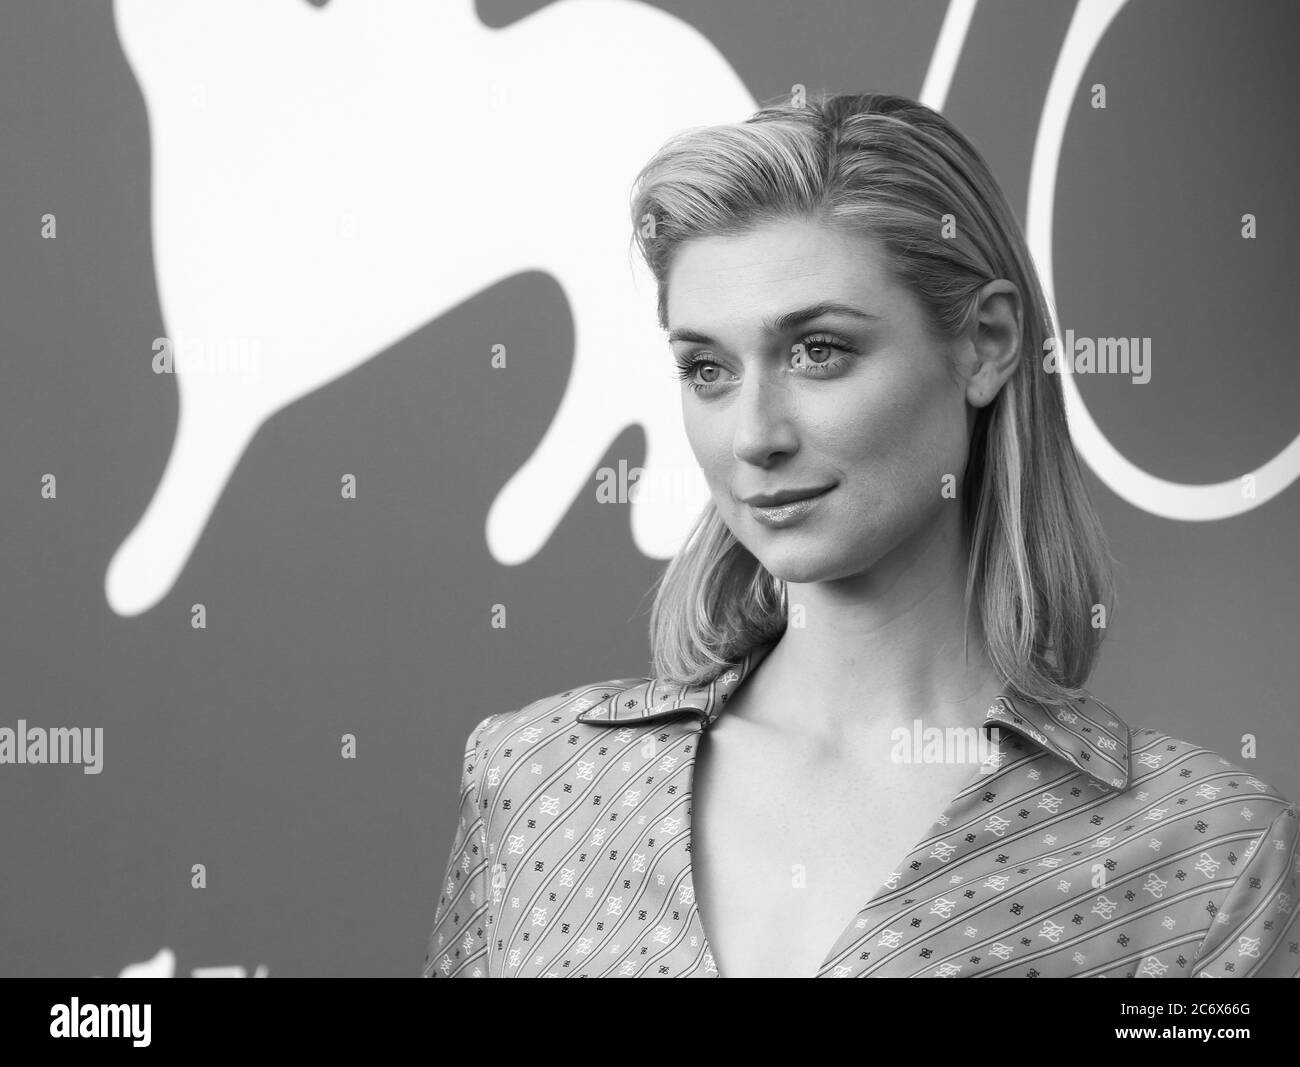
{"points": [[845, 935]]}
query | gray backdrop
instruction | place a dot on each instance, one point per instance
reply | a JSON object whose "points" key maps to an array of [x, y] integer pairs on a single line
{"points": [[372, 617]]}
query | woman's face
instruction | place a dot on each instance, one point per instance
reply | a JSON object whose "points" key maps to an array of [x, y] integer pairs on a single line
{"points": [[856, 400]]}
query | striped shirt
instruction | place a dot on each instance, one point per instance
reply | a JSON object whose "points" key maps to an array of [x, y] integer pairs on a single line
{"points": [[1081, 848]]}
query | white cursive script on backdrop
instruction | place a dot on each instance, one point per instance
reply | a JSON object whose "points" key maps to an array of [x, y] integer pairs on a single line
{"points": [[1158, 496]]}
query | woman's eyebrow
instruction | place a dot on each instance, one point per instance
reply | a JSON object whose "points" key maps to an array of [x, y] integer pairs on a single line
{"points": [[785, 322]]}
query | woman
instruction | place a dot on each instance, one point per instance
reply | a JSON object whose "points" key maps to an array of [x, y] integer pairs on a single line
{"points": [[899, 565]]}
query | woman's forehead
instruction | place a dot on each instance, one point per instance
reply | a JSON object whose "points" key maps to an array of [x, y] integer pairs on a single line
{"points": [[768, 272]]}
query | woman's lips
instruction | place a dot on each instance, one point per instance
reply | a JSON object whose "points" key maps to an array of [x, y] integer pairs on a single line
{"points": [[787, 514]]}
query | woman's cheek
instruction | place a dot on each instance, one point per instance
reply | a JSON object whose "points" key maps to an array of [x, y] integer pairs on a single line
{"points": [[707, 449]]}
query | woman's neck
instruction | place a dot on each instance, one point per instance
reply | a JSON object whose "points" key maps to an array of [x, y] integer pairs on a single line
{"points": [[876, 651]]}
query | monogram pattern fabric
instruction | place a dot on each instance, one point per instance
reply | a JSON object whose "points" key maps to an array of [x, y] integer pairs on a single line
{"points": [[1083, 848]]}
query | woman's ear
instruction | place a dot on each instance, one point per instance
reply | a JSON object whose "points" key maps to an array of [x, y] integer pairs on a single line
{"points": [[994, 341]]}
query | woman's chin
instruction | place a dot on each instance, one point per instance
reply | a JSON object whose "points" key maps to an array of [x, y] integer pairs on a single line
{"points": [[795, 571]]}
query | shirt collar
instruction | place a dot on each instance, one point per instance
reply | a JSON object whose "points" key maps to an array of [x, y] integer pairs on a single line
{"points": [[1085, 733]]}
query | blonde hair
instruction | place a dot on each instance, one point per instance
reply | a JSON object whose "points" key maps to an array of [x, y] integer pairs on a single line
{"points": [[891, 168]]}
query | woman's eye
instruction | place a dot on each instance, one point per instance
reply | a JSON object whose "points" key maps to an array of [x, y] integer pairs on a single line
{"points": [[686, 372], [817, 354], [813, 355]]}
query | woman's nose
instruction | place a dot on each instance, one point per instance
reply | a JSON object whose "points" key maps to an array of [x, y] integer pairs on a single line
{"points": [[763, 424]]}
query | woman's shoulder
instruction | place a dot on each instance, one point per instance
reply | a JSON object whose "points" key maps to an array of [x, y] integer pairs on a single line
{"points": [[510, 754], [1218, 825], [544, 717], [1157, 758]]}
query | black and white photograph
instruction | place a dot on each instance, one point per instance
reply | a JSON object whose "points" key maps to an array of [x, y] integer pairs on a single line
{"points": [[649, 489]]}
